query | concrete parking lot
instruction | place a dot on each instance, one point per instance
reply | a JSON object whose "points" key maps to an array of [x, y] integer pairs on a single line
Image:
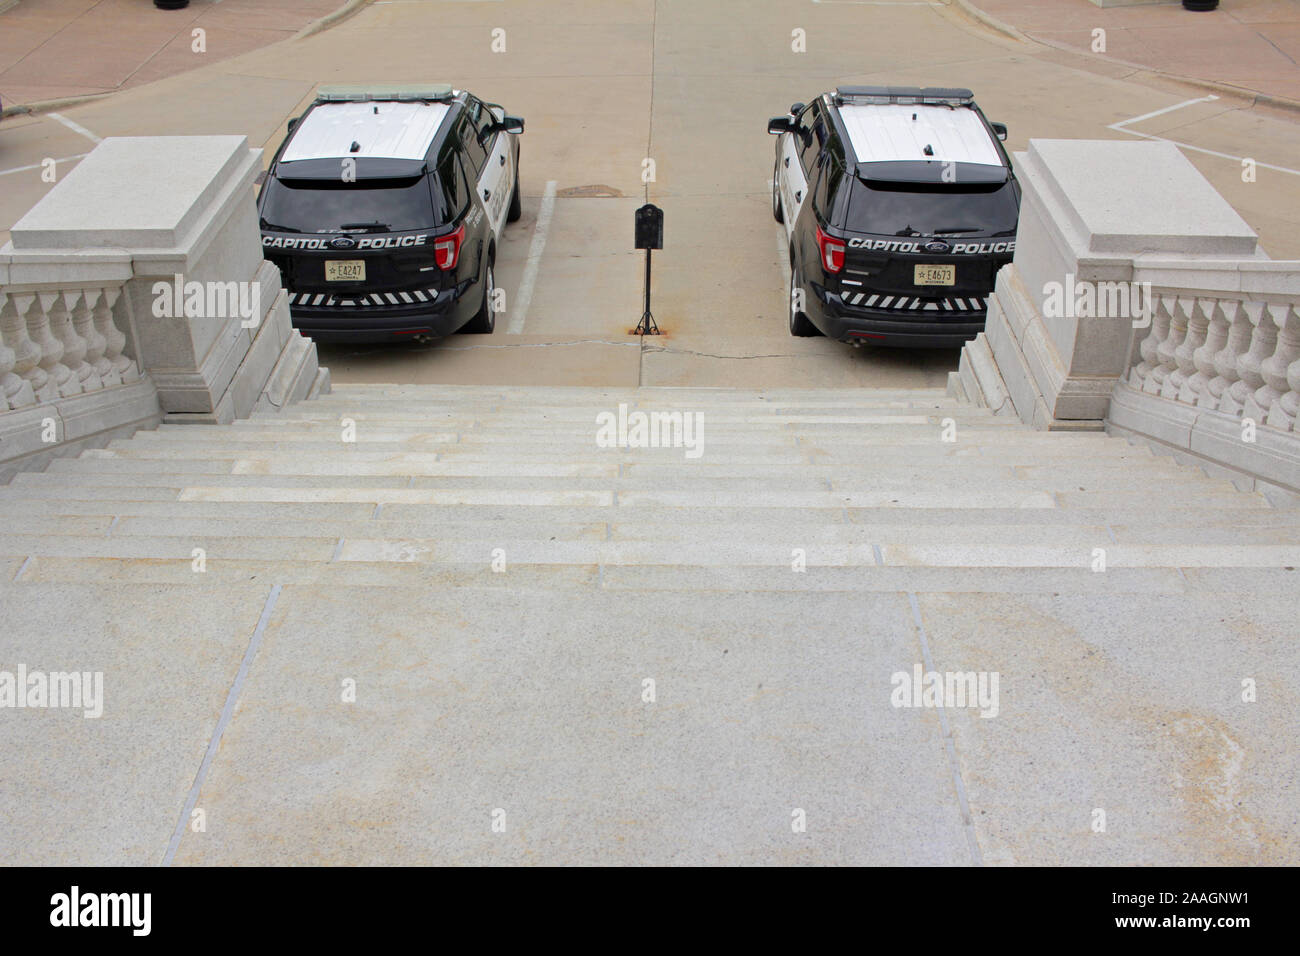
{"points": [[606, 88]]}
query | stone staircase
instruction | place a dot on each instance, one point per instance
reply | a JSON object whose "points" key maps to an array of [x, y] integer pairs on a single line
{"points": [[500, 589]]}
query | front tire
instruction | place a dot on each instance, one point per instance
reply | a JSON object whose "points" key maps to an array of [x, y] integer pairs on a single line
{"points": [[516, 202], [799, 324], [485, 320], [777, 213]]}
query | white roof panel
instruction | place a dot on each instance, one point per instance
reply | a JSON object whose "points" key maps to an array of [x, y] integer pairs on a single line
{"points": [[382, 130], [887, 133]]}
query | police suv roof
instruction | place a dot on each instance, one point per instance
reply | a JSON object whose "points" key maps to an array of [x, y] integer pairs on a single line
{"points": [[892, 129], [370, 123]]}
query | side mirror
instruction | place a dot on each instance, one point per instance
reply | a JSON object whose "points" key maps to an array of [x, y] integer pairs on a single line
{"points": [[293, 123], [1000, 129], [510, 124], [796, 108], [780, 124]]}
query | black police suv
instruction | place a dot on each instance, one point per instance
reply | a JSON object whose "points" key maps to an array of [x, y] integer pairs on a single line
{"points": [[900, 206], [384, 208]]}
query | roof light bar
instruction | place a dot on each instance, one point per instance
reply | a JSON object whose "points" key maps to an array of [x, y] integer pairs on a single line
{"points": [[904, 95], [402, 93]]}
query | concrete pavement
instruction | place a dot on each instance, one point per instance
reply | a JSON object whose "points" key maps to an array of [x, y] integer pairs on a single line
{"points": [[606, 87], [64, 49]]}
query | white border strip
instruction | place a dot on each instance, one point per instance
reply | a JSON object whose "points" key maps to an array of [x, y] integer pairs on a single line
{"points": [[524, 297]]}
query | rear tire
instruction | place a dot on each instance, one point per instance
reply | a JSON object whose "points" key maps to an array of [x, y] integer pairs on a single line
{"points": [[486, 319], [799, 324], [516, 203], [777, 213]]}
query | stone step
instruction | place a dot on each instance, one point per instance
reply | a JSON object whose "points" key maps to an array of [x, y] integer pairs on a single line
{"points": [[433, 465], [788, 534], [786, 455], [718, 552], [1142, 515], [902, 497], [740, 489], [1265, 584]]}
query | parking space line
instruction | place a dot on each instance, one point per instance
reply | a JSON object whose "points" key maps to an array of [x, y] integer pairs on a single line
{"points": [[75, 127], [23, 169], [524, 297], [1122, 127]]}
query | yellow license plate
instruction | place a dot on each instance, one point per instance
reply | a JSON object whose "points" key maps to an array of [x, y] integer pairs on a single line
{"points": [[935, 275], [347, 270]]}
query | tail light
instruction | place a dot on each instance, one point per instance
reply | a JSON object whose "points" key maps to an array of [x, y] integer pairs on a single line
{"points": [[446, 249], [832, 250]]}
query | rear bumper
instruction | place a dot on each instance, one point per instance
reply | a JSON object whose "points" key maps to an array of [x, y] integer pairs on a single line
{"points": [[889, 327], [437, 318]]}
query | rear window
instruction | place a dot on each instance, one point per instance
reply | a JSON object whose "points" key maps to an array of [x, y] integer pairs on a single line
{"points": [[905, 209], [377, 205]]}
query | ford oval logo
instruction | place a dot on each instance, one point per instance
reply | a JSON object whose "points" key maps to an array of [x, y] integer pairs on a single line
{"points": [[343, 242], [937, 245]]}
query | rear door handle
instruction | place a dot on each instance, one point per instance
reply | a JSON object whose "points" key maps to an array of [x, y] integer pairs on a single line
{"points": [[503, 159], [487, 194], [798, 197], [787, 162]]}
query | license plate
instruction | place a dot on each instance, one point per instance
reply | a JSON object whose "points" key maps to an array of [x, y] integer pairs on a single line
{"points": [[935, 275], [348, 270]]}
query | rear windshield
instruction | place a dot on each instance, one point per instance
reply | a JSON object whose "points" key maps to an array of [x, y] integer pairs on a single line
{"points": [[907, 209], [377, 205]]}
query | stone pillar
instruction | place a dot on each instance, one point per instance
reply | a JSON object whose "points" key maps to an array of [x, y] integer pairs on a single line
{"points": [[172, 222], [1091, 211]]}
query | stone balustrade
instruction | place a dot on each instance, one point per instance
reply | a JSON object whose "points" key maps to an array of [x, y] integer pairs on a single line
{"points": [[1236, 356], [1206, 370], [59, 344]]}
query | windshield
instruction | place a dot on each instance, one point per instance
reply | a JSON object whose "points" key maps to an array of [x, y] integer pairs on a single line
{"points": [[374, 205], [929, 209]]}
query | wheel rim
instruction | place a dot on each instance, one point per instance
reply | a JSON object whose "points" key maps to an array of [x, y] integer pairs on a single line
{"points": [[491, 304], [790, 304]]}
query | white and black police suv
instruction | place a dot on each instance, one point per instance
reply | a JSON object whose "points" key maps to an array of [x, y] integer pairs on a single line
{"points": [[900, 206], [384, 209]]}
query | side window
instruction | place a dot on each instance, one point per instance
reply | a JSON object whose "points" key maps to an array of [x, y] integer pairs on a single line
{"points": [[475, 152], [451, 182], [812, 134], [830, 173]]}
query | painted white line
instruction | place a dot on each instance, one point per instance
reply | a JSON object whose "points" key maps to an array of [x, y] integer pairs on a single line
{"points": [[1167, 109], [1122, 127], [75, 127], [524, 297], [227, 712], [24, 169]]}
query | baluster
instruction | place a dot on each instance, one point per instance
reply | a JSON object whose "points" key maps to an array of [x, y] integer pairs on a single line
{"points": [[1288, 406], [1141, 373], [1189, 378], [97, 356], [1222, 312], [1262, 344], [124, 369], [83, 323], [40, 372], [1240, 330], [1165, 365], [74, 346], [17, 384], [1276, 369], [1235, 395]]}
